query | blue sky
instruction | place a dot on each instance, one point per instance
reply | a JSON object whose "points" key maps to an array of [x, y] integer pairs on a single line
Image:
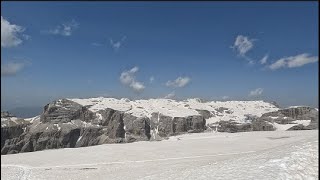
{"points": [[210, 50]]}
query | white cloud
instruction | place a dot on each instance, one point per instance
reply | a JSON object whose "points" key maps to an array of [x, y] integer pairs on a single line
{"points": [[264, 59], [137, 86], [117, 44], [179, 82], [243, 44], [65, 29], [294, 61], [10, 33], [128, 78], [256, 92], [170, 95], [11, 68], [225, 97], [151, 79]]}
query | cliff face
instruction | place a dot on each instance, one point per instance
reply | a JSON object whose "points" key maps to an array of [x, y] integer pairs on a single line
{"points": [[297, 113], [294, 115]]}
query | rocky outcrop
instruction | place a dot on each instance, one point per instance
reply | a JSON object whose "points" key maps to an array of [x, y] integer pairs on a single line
{"points": [[5, 114], [136, 129], [289, 115], [168, 126], [204, 113], [299, 127], [297, 113], [11, 133], [254, 125], [9, 120], [63, 111], [260, 125], [232, 127], [66, 124]]}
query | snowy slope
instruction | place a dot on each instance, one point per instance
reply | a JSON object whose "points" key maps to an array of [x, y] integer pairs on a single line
{"points": [[220, 110], [251, 155]]}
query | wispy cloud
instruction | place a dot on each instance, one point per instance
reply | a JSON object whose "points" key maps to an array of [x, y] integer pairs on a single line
{"points": [[170, 95], [128, 78], [117, 44], [11, 69], [65, 29], [179, 82], [294, 61], [10, 34], [256, 92], [243, 44], [151, 79], [264, 59]]}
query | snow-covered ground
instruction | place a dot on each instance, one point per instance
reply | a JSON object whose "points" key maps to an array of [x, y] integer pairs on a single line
{"points": [[249, 155], [222, 110]]}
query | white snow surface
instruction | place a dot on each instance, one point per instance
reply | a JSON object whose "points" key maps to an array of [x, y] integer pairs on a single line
{"points": [[235, 109], [284, 127], [249, 156]]}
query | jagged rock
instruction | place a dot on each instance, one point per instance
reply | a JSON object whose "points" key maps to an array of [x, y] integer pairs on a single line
{"points": [[287, 116], [136, 128], [297, 113], [64, 111], [205, 113], [5, 114], [11, 133], [89, 136], [221, 109], [196, 124], [260, 125], [180, 125], [9, 120], [232, 127], [165, 127], [299, 127]]}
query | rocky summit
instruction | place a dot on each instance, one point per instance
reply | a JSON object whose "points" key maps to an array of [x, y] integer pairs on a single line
{"points": [[71, 123]]}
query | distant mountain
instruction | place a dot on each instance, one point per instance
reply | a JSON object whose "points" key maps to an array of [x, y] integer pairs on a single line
{"points": [[26, 112]]}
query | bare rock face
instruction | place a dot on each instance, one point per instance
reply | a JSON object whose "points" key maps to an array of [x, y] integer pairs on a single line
{"points": [[260, 125], [65, 124], [5, 114], [196, 124], [205, 113], [9, 120], [299, 127], [64, 111], [232, 127], [89, 136], [180, 124], [136, 129], [11, 133], [168, 126], [297, 113], [287, 116], [165, 127]]}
